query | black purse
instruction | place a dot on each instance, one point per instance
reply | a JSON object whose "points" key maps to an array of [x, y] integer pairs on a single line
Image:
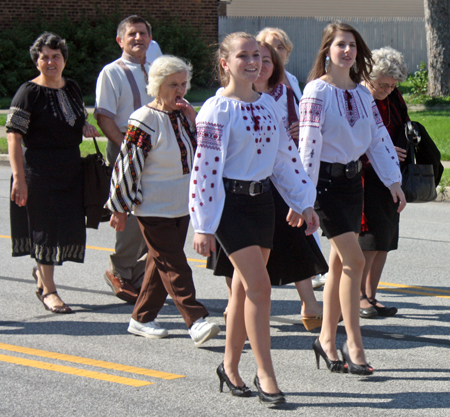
{"points": [[419, 179], [97, 179]]}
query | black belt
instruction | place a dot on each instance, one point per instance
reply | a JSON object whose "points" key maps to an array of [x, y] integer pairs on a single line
{"points": [[336, 169], [251, 188]]}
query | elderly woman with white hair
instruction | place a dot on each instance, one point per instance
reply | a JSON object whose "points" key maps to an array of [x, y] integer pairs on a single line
{"points": [[151, 180], [380, 226]]}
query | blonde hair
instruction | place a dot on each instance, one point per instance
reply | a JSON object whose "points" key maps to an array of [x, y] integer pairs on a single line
{"points": [[224, 51], [280, 34], [164, 66]]}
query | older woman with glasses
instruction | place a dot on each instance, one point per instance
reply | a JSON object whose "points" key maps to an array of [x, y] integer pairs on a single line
{"points": [[380, 226]]}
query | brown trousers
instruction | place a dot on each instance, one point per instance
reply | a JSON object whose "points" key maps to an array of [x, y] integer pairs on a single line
{"points": [[167, 271]]}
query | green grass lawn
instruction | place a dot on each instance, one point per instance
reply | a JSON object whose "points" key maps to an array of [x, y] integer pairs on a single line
{"points": [[86, 147], [437, 124], [445, 180]]}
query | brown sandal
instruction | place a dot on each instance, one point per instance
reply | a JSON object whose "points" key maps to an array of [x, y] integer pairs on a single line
{"points": [[39, 290], [312, 323], [64, 309]]}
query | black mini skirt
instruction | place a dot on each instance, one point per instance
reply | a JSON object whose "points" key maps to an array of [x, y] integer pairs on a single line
{"points": [[339, 204], [246, 221]]}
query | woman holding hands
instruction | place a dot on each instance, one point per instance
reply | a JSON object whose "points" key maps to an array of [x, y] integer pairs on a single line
{"points": [[339, 122], [242, 142]]}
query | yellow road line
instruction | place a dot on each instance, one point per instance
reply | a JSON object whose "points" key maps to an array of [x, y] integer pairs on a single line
{"points": [[74, 371], [98, 248], [415, 287], [404, 291], [91, 362], [112, 250], [203, 261]]}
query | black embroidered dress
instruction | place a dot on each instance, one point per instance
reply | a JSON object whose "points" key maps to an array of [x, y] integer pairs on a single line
{"points": [[51, 226]]}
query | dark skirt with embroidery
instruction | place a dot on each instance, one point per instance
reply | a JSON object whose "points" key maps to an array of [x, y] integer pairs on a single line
{"points": [[51, 228]]}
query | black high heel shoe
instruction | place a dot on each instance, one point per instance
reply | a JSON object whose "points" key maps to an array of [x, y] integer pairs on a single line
{"points": [[269, 399], [354, 368], [333, 366], [243, 391]]}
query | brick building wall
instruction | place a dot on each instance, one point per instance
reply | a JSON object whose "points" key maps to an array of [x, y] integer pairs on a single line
{"points": [[199, 13]]}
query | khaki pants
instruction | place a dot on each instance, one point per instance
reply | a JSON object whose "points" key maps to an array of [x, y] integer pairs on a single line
{"points": [[130, 256]]}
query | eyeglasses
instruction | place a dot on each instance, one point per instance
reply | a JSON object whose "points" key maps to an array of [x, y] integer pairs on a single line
{"points": [[387, 86]]}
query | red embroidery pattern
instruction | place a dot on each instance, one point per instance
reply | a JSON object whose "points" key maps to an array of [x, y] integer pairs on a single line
{"points": [[351, 109], [377, 115], [310, 112], [277, 92], [174, 117], [209, 135]]}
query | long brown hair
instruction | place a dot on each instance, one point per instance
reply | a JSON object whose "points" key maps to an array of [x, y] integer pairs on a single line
{"points": [[278, 67], [363, 61], [224, 51]]}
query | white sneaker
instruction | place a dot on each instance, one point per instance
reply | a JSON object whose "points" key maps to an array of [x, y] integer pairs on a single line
{"points": [[152, 330], [318, 281], [201, 331]]}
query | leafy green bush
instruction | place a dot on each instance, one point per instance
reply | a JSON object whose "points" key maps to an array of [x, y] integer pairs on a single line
{"points": [[92, 45], [419, 80], [186, 41]]}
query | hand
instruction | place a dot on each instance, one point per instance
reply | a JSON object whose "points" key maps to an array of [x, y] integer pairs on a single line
{"points": [[19, 192], [311, 219], [401, 153], [89, 131], [204, 244], [294, 219], [187, 109], [118, 221], [294, 130], [398, 194]]}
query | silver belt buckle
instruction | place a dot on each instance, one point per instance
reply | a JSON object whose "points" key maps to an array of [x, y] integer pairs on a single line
{"points": [[251, 189]]}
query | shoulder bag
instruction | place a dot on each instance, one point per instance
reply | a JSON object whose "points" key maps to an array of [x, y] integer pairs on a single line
{"points": [[97, 178], [419, 179]]}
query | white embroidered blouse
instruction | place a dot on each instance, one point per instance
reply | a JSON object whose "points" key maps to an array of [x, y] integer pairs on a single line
{"points": [[341, 125], [151, 173], [243, 141]]}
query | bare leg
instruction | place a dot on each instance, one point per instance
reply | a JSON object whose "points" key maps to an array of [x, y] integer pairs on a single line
{"points": [[331, 306], [351, 258], [236, 334], [45, 275], [250, 269], [228, 281], [310, 306], [374, 275], [369, 256]]}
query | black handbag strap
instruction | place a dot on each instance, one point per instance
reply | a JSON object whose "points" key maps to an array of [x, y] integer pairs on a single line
{"points": [[412, 133], [412, 159], [97, 148]]}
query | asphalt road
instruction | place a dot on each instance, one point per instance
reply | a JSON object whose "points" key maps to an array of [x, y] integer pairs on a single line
{"points": [[86, 364]]}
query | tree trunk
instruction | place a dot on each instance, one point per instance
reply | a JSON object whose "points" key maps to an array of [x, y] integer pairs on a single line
{"points": [[437, 21]]}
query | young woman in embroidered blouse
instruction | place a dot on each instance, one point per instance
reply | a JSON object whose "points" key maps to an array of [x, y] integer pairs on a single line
{"points": [[339, 122], [242, 142], [295, 257]]}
